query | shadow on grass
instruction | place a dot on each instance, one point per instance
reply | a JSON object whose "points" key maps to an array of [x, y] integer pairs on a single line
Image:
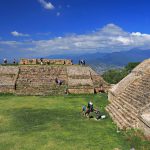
{"points": [[32, 120]]}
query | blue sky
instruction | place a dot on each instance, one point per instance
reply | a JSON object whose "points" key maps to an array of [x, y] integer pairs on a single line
{"points": [[45, 27]]}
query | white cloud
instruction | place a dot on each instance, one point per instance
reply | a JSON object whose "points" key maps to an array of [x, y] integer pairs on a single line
{"points": [[110, 38], [17, 34], [123, 40], [46, 5]]}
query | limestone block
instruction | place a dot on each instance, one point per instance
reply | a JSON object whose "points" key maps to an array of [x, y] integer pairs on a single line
{"points": [[68, 62], [81, 91], [79, 82], [28, 62]]}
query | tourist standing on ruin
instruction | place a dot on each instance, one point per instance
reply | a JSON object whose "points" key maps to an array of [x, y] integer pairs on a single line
{"points": [[82, 62], [41, 59], [14, 62], [5, 61]]}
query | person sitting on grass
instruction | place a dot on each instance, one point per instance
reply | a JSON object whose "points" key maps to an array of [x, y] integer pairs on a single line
{"points": [[90, 108], [84, 109], [98, 114]]}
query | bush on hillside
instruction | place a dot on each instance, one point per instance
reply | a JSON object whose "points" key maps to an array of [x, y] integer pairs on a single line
{"points": [[115, 75]]}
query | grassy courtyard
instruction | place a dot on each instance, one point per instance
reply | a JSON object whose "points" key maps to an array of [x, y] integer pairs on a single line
{"points": [[55, 123]]}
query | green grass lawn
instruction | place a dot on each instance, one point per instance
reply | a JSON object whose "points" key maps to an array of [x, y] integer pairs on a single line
{"points": [[55, 123]]}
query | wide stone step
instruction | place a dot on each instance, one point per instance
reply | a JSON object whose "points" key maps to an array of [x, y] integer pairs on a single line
{"points": [[127, 109], [41, 87], [39, 71], [127, 115], [140, 99], [127, 105], [113, 118], [133, 92], [129, 100], [132, 99], [140, 87], [81, 90], [42, 83], [118, 118], [34, 77], [46, 92]]}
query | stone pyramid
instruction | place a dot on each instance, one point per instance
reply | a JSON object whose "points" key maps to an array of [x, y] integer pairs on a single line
{"points": [[130, 99]]}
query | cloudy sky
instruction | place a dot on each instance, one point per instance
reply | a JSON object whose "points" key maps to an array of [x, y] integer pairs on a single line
{"points": [[33, 28]]}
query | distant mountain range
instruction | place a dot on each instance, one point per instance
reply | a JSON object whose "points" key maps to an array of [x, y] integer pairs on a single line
{"points": [[123, 58], [104, 61], [115, 58]]}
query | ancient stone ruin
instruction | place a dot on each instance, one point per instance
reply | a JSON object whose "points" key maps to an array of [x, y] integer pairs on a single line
{"points": [[130, 100], [32, 78], [45, 61]]}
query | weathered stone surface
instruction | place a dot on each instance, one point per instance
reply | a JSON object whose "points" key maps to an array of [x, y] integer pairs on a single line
{"points": [[80, 82], [28, 62], [82, 78], [81, 91], [45, 61], [8, 77], [144, 122], [130, 98], [41, 80]]}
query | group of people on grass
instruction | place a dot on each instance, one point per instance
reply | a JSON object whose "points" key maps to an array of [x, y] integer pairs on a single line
{"points": [[86, 110]]}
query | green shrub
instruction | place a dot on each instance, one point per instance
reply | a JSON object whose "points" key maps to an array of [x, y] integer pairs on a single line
{"points": [[115, 75]]}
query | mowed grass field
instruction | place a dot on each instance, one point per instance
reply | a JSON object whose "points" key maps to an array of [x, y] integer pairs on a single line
{"points": [[56, 123]]}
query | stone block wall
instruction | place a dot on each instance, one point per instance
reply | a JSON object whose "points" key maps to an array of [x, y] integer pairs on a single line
{"points": [[8, 77], [82, 80], [79, 80], [28, 62], [41, 80], [45, 62]]}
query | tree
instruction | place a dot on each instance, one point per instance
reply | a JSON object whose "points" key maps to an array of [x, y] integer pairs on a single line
{"points": [[115, 75]]}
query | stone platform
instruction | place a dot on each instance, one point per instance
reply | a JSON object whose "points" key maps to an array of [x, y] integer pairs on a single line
{"points": [[41, 80]]}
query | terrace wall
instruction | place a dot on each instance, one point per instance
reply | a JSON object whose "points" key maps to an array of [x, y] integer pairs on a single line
{"points": [[41, 79], [45, 62], [8, 77]]}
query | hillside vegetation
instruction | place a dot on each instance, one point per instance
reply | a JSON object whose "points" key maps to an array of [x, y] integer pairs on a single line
{"points": [[115, 75]]}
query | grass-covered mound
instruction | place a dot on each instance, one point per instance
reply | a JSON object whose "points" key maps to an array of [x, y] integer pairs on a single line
{"points": [[55, 123]]}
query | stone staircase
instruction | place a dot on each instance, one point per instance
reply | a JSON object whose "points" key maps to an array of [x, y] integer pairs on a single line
{"points": [[40, 80], [8, 77], [79, 80], [125, 108]]}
